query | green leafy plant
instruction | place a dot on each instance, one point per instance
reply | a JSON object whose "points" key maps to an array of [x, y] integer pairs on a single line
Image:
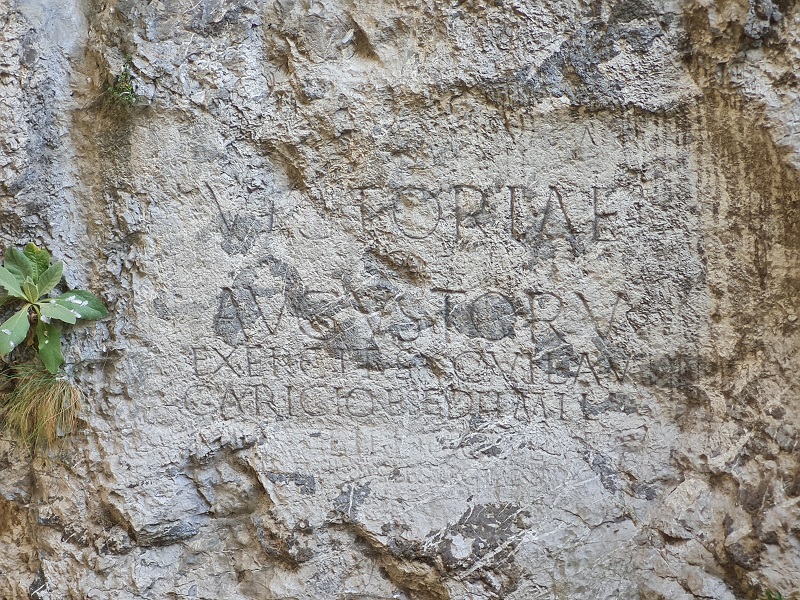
{"points": [[770, 595], [121, 89], [27, 276]]}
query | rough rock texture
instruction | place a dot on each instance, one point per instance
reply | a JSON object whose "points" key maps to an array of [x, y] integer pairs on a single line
{"points": [[416, 300]]}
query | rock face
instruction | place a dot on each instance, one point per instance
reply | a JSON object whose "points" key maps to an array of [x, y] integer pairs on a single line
{"points": [[414, 300]]}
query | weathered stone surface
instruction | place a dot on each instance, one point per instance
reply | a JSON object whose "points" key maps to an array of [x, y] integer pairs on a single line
{"points": [[430, 300]]}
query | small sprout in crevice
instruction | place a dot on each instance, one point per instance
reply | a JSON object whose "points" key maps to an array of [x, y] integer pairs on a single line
{"points": [[122, 90], [770, 595]]}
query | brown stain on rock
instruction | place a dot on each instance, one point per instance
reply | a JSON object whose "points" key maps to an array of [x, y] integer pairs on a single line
{"points": [[750, 203]]}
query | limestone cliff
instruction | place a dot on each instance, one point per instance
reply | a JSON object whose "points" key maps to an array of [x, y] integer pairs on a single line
{"points": [[417, 300]]}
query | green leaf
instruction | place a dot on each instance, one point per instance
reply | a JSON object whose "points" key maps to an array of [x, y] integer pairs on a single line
{"points": [[40, 259], [19, 264], [49, 337], [13, 331], [31, 293], [84, 303], [52, 310], [50, 278], [10, 283]]}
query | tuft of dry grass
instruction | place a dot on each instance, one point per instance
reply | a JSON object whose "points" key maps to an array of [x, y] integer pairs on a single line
{"points": [[37, 405]]}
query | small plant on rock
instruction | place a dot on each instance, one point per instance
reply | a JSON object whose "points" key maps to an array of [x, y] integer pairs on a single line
{"points": [[27, 277], [36, 402], [121, 89]]}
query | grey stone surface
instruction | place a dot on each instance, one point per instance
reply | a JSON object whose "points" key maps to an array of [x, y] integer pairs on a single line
{"points": [[423, 300]]}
